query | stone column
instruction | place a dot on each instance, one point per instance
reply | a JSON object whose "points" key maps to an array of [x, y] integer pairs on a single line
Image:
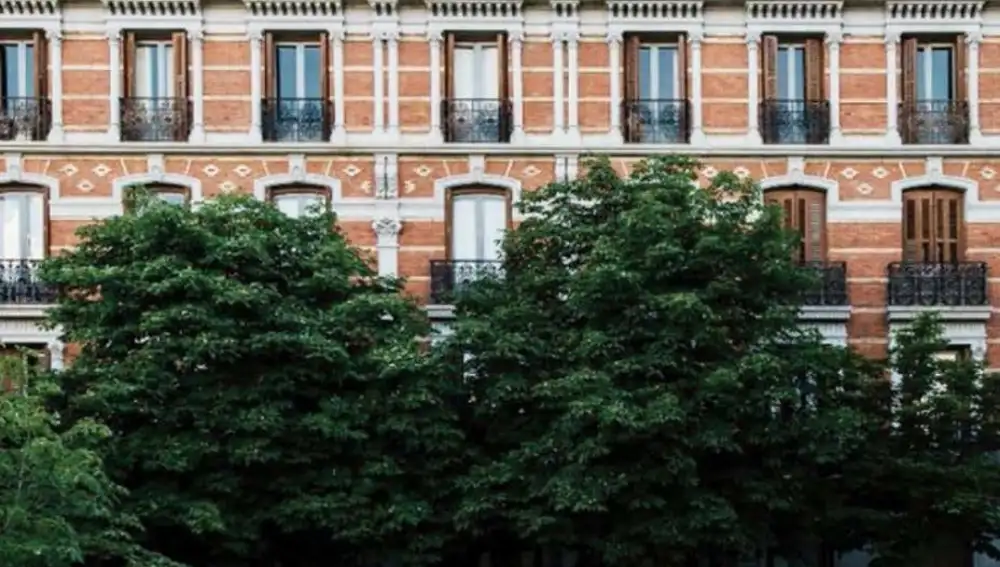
{"points": [[697, 130], [392, 46], [891, 89], [387, 231], [378, 72], [972, 41], [833, 62], [339, 133], [55, 78], [614, 40], [197, 135], [115, 82], [558, 80], [517, 86], [753, 88], [255, 85], [573, 92], [436, 133]]}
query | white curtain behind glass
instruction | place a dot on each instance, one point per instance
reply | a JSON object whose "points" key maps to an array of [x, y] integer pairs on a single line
{"points": [[299, 204], [154, 70], [22, 230], [477, 226], [476, 71]]}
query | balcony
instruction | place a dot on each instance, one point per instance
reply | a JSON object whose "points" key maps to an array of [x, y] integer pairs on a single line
{"points": [[934, 122], [656, 121], [832, 287], [19, 284], [476, 120], [155, 119], [296, 119], [448, 276], [791, 121], [920, 284], [25, 119]]}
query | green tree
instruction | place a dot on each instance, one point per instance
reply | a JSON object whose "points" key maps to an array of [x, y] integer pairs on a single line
{"points": [[640, 388], [57, 505], [271, 402]]}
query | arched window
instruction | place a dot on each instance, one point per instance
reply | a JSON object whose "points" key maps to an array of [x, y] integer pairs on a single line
{"points": [[933, 226], [298, 201], [805, 213], [173, 194], [477, 219], [22, 214]]}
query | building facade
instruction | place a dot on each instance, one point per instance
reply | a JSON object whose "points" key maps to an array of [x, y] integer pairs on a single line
{"points": [[874, 123]]}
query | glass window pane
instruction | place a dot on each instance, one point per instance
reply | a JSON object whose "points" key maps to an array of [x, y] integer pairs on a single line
{"points": [[923, 93], [171, 197], [782, 72], [798, 63], [28, 89], [11, 85], [645, 81], [941, 87], [145, 71], [165, 87], [312, 72], [667, 65], [286, 71]]}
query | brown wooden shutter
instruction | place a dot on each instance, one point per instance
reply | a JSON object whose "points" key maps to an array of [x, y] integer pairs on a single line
{"points": [[804, 212], [815, 70], [502, 66], [961, 62], [324, 79], [948, 226], [3, 71], [270, 67], [682, 67], [41, 65], [769, 67], [128, 65], [449, 65], [180, 48], [631, 123], [918, 239], [908, 68]]}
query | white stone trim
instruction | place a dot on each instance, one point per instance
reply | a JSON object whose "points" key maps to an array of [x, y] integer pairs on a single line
{"points": [[256, 90], [753, 87], [928, 16], [339, 133], [27, 328], [558, 100], [16, 175], [833, 40], [614, 40], [476, 177], [972, 41], [680, 16], [152, 8], [892, 137], [694, 42], [392, 49], [960, 326], [294, 9], [197, 72], [976, 211], [387, 230], [794, 12], [299, 177], [155, 174], [475, 15], [55, 84]]}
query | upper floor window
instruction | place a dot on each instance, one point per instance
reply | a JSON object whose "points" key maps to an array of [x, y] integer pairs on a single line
{"points": [[804, 212], [933, 226], [476, 108], [656, 108], [297, 88], [24, 104], [934, 108], [299, 201], [22, 232], [477, 222], [155, 100], [794, 109]]}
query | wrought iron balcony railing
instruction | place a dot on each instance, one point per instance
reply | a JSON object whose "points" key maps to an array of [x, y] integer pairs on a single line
{"points": [[155, 119], [795, 121], [922, 284], [25, 119], [656, 121], [20, 284], [476, 120], [296, 119], [448, 276], [934, 122], [832, 287]]}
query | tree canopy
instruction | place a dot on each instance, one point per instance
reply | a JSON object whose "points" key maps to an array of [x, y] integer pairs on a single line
{"points": [[269, 401]]}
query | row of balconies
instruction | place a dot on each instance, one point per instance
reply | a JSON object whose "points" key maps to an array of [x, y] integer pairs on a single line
{"points": [[490, 120]]}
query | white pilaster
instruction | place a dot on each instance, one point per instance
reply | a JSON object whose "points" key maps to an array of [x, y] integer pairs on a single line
{"points": [[891, 89], [753, 88], [55, 78], [255, 86], [558, 80], [833, 63], [392, 46], [56, 350], [378, 76], [614, 40], [436, 134], [697, 130], [197, 86], [517, 86], [573, 94], [115, 82], [387, 231], [972, 41], [339, 134]]}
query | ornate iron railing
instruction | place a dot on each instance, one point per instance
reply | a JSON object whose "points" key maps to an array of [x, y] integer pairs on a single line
{"points": [[832, 287], [791, 121], [155, 119], [476, 120], [656, 121], [296, 119], [25, 118], [20, 284], [934, 122], [448, 276], [921, 284]]}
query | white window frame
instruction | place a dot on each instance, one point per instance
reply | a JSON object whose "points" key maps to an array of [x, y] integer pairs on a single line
{"points": [[158, 56], [300, 65], [479, 67], [480, 199], [927, 71], [33, 233], [301, 198], [788, 51], [23, 80], [656, 50]]}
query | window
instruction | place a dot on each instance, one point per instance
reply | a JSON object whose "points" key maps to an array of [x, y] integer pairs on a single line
{"points": [[804, 212], [297, 88], [933, 227], [477, 107], [477, 224], [954, 353], [155, 99], [656, 108], [296, 202], [794, 109], [23, 217], [934, 107], [24, 87]]}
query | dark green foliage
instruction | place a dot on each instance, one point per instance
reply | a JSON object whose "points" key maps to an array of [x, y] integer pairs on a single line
{"points": [[270, 401]]}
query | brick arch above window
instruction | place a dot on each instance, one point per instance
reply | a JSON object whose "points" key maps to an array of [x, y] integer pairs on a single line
{"points": [[157, 179], [804, 211], [933, 224]]}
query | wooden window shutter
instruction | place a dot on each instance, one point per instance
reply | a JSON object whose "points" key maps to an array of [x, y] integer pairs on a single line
{"points": [[815, 70], [180, 48], [682, 67], [769, 67], [948, 226], [502, 67], [324, 66], [908, 68], [960, 62], [128, 65], [269, 75], [449, 65], [631, 123], [3, 72], [918, 240], [41, 65], [812, 216]]}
